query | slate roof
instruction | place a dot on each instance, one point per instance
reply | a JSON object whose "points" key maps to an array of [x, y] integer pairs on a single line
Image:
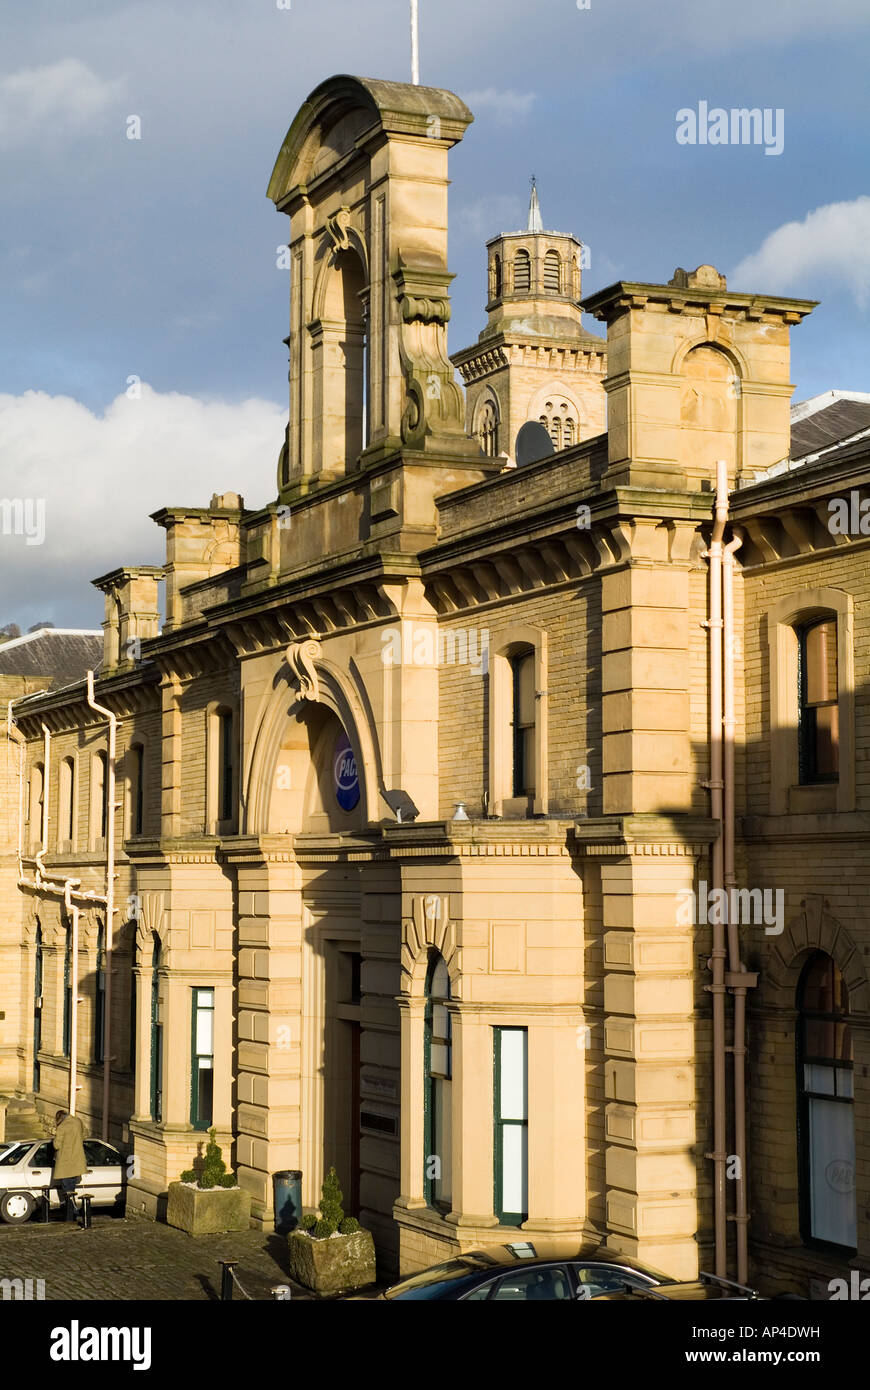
{"points": [[828, 420], [65, 654]]}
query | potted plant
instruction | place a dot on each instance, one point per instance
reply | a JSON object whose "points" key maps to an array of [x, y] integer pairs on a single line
{"points": [[207, 1199], [331, 1253]]}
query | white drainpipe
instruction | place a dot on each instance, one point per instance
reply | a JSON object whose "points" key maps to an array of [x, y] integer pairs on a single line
{"points": [[110, 897], [69, 890], [15, 733]]}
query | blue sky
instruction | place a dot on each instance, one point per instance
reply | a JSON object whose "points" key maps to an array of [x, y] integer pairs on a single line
{"points": [[157, 257]]}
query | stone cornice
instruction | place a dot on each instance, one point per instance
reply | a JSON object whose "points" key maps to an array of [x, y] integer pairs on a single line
{"points": [[644, 836], [132, 692], [619, 298]]}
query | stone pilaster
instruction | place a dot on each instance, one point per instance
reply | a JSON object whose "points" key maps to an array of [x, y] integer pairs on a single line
{"points": [[269, 1047], [652, 1051]]}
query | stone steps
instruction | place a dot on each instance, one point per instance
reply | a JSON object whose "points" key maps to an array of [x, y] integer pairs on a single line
{"points": [[22, 1119]]}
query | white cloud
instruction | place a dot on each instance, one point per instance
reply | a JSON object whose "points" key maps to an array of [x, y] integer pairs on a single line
{"points": [[102, 475], [488, 216], [832, 243], [508, 106], [55, 100]]}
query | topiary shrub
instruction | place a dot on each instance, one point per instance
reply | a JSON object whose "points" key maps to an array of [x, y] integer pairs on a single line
{"points": [[210, 1171], [308, 1222], [322, 1229], [214, 1167], [330, 1201], [349, 1226]]}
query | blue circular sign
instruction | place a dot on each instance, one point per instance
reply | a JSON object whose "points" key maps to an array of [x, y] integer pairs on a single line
{"points": [[345, 777]]}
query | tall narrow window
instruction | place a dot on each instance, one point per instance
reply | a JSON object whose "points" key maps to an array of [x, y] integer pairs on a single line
{"points": [[522, 273], [553, 273], [819, 709], [66, 807], [202, 1059], [489, 430], [225, 765], [498, 277], [570, 432], [437, 1099], [67, 993], [826, 1091], [100, 997], [137, 788], [156, 1038], [523, 722], [556, 432], [99, 797], [37, 794], [511, 1114]]}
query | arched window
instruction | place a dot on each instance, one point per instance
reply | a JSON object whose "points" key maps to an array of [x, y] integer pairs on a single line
{"points": [[156, 1037], [556, 432], [341, 361], [818, 718], [136, 757], [522, 665], [37, 794], [99, 799], [826, 1105], [489, 430], [553, 273], [100, 996], [438, 1063], [570, 434], [225, 767], [518, 782], [522, 272], [66, 805], [222, 770]]}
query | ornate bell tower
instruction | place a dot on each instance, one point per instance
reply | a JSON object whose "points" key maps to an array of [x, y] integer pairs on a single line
{"points": [[534, 359], [362, 175]]}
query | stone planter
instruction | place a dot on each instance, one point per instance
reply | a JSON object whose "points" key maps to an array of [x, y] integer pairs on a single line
{"points": [[336, 1264], [207, 1211]]}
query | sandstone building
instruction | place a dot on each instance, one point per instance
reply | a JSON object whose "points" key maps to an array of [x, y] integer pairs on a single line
{"points": [[420, 787]]}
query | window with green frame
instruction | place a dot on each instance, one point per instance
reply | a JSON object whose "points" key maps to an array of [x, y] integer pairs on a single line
{"points": [[437, 1095], [511, 1122], [202, 1058]]}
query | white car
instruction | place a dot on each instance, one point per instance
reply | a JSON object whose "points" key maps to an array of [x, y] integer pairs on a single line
{"points": [[26, 1169]]}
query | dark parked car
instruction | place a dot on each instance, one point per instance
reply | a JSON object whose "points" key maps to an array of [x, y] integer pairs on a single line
{"points": [[524, 1272], [702, 1289]]}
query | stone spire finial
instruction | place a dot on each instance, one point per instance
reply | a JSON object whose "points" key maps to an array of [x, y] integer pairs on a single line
{"points": [[536, 222]]}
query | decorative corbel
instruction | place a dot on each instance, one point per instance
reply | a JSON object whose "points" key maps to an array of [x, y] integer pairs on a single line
{"points": [[301, 657], [336, 228]]}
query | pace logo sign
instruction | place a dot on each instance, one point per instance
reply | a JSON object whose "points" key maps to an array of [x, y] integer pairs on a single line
{"points": [[345, 777]]}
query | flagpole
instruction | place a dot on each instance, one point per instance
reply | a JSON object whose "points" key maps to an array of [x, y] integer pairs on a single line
{"points": [[415, 44]]}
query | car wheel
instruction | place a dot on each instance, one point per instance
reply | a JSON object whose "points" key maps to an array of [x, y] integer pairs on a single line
{"points": [[16, 1207]]}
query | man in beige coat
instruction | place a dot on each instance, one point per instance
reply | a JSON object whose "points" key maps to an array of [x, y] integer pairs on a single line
{"points": [[69, 1158]]}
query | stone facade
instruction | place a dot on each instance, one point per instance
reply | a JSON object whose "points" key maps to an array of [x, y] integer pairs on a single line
{"points": [[415, 777]]}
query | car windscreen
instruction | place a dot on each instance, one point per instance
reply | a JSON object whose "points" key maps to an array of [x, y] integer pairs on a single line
{"points": [[13, 1155], [431, 1282]]}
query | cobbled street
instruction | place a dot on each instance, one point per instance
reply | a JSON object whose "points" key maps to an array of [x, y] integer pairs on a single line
{"points": [[141, 1260]]}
